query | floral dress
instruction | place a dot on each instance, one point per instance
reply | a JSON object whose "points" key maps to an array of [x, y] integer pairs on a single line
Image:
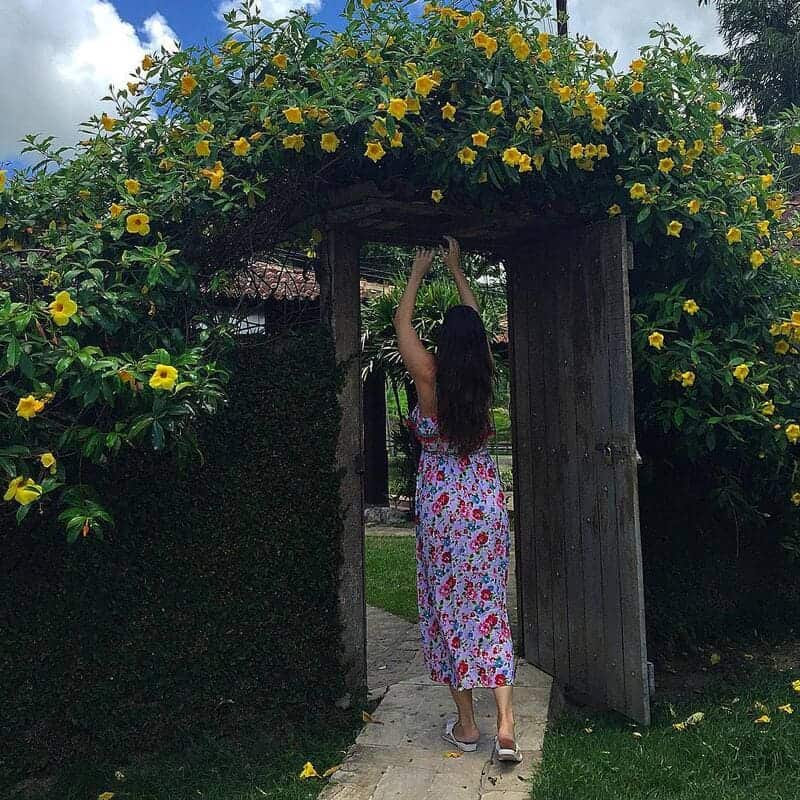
{"points": [[462, 547]]}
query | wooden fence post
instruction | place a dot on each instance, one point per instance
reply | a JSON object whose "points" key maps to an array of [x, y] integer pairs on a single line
{"points": [[340, 308]]}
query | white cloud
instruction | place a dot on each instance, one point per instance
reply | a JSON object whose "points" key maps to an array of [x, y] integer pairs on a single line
{"points": [[55, 67], [625, 25], [271, 9]]}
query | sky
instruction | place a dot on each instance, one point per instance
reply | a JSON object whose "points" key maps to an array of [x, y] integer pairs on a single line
{"points": [[58, 57]]}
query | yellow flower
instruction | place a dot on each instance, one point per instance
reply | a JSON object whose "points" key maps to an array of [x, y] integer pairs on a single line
{"points": [[576, 151], [115, 209], [674, 228], [638, 191], [796, 685], [545, 55], [138, 223], [202, 148], [269, 82], [637, 87], [795, 151], [687, 378], [448, 112], [163, 377], [638, 65], [525, 163], [132, 185], [734, 234], [763, 227], [763, 720], [762, 387], [147, 63], [663, 145], [379, 127], [792, 432], [294, 141], [424, 84], [109, 123], [188, 83], [374, 151], [214, 175], [466, 155], [767, 408], [614, 210], [756, 259], [479, 139], [741, 372], [477, 17], [62, 308], [47, 460], [693, 206], [766, 181], [656, 340], [565, 93], [28, 407], [280, 60], [329, 142], [293, 114], [782, 347], [786, 709], [543, 40], [23, 490], [538, 161], [397, 139], [665, 165], [241, 146], [496, 107], [511, 155], [397, 107], [308, 771], [205, 126], [436, 195], [690, 307]]}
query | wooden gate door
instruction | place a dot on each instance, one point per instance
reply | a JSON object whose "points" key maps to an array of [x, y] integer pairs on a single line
{"points": [[578, 552]]}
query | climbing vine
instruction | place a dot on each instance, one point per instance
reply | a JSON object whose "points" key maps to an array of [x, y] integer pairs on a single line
{"points": [[111, 251]]}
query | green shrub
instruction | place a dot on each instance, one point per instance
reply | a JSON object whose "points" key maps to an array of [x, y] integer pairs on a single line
{"points": [[213, 597]]}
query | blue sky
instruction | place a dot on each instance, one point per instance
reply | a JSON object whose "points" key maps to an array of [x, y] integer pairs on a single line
{"points": [[58, 58]]}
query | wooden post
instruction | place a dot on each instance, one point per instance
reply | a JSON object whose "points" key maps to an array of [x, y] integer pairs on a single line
{"points": [[376, 458], [340, 308]]}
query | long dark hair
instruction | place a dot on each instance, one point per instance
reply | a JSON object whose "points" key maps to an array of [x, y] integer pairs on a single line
{"points": [[464, 379]]}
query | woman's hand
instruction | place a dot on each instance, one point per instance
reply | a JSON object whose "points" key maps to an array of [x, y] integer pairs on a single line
{"points": [[423, 257], [453, 255]]}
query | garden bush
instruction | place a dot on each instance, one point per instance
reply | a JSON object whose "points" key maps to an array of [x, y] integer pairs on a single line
{"points": [[211, 604]]}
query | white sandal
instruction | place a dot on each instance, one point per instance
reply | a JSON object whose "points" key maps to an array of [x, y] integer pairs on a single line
{"points": [[506, 753], [467, 747]]}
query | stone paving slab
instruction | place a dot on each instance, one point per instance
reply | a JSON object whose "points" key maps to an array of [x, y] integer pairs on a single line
{"points": [[403, 757]]}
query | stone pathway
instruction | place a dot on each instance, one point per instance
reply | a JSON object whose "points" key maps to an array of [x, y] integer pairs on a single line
{"points": [[403, 757]]}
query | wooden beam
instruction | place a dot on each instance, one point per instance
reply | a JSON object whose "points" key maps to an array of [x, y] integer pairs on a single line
{"points": [[340, 308]]}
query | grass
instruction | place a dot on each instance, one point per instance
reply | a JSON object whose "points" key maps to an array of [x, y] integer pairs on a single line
{"points": [[726, 756], [261, 761], [391, 575]]}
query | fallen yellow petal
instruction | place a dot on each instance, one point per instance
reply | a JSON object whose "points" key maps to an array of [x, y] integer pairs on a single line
{"points": [[105, 796], [330, 770], [367, 717], [453, 754], [762, 720], [308, 771]]}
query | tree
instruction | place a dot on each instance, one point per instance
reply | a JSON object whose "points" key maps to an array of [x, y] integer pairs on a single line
{"points": [[763, 41]]}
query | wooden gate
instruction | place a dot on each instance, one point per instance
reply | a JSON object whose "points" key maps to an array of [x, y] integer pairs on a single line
{"points": [[579, 566]]}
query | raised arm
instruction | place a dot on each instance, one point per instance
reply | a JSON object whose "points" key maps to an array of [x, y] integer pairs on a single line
{"points": [[453, 260], [418, 361]]}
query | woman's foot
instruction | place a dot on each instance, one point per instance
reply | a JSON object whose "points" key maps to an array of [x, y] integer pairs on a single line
{"points": [[466, 734], [505, 735]]}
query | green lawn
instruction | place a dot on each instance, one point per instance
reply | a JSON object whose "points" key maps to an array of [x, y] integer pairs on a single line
{"points": [[391, 574], [253, 763], [726, 756]]}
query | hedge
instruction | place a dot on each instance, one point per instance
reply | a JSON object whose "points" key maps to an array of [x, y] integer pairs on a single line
{"points": [[214, 596]]}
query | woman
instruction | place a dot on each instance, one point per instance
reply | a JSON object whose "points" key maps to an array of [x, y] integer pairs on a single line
{"points": [[462, 529]]}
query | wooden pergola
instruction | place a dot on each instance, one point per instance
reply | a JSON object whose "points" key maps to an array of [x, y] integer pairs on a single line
{"points": [[578, 552]]}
